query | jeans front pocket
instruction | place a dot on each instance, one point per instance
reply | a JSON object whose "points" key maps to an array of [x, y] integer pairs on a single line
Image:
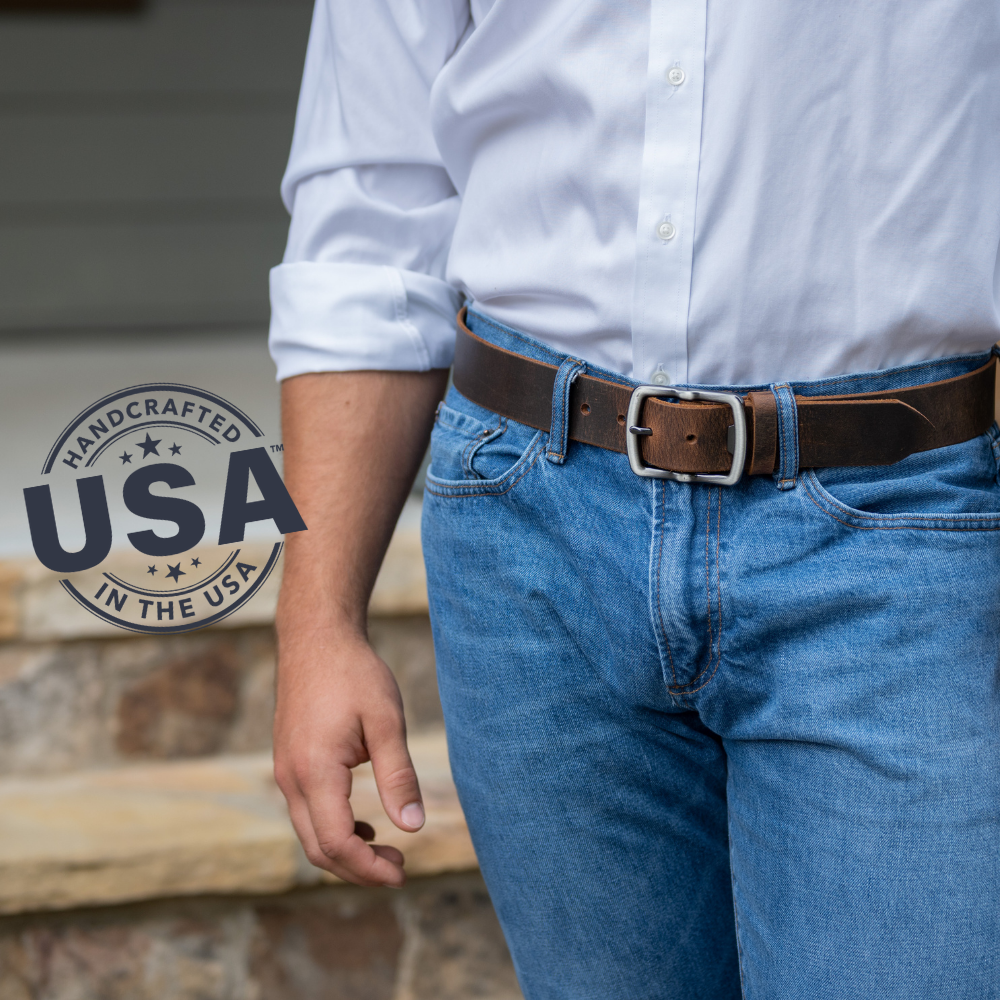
{"points": [[475, 451], [949, 489]]}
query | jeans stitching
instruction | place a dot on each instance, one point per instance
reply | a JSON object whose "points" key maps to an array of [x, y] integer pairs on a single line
{"points": [[794, 430], [784, 431], [469, 451], [784, 436], [659, 606], [897, 527], [736, 922], [974, 522], [717, 654], [872, 376], [708, 577], [560, 406], [994, 435], [463, 492], [789, 427], [557, 422], [849, 512], [708, 589]]}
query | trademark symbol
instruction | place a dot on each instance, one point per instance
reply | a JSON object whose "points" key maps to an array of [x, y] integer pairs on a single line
{"points": [[277, 447]]}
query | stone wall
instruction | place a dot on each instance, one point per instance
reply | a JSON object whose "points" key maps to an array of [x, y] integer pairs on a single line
{"points": [[104, 702], [438, 939], [145, 851]]}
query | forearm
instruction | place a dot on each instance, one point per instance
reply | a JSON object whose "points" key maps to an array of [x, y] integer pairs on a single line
{"points": [[353, 442]]}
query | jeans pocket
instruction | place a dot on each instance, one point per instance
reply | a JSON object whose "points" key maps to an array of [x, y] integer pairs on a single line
{"points": [[956, 488], [474, 450]]}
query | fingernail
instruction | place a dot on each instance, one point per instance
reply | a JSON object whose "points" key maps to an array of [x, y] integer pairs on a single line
{"points": [[413, 815]]}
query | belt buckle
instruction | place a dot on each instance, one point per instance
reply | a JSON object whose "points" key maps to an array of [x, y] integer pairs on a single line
{"points": [[737, 444]]}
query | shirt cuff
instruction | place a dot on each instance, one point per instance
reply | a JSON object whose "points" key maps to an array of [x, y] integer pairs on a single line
{"points": [[329, 317]]}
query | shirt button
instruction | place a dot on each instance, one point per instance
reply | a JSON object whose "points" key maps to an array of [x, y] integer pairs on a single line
{"points": [[675, 75], [666, 230], [660, 377]]}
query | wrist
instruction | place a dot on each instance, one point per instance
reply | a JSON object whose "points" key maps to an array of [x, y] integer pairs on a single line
{"points": [[298, 623]]}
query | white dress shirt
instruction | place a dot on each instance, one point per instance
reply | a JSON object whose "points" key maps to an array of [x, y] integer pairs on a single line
{"points": [[728, 192]]}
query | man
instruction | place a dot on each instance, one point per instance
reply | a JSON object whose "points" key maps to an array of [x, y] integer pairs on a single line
{"points": [[728, 730]]}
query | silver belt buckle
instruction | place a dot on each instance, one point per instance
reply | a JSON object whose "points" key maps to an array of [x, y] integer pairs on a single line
{"points": [[738, 434]]}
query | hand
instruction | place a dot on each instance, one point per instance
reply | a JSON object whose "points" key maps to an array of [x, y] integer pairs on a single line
{"points": [[337, 703], [338, 706]]}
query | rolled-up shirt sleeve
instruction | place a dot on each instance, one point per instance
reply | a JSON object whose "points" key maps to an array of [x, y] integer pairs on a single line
{"points": [[362, 285]]}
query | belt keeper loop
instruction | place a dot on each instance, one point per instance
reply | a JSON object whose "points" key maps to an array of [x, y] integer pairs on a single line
{"points": [[763, 412], [566, 375], [787, 471]]}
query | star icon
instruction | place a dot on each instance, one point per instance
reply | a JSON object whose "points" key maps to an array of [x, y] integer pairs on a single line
{"points": [[149, 445], [126, 458], [175, 449], [196, 562], [175, 572], [151, 571]]}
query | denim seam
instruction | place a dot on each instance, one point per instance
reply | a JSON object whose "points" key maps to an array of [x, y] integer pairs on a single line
{"points": [[850, 512], [441, 417], [470, 444], [708, 575], [872, 376], [736, 921], [941, 526], [469, 451], [708, 588], [994, 433], [789, 457], [567, 373], [784, 446], [659, 606], [717, 654], [461, 492]]}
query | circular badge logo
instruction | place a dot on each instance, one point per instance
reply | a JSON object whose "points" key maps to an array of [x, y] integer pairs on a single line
{"points": [[165, 479]]}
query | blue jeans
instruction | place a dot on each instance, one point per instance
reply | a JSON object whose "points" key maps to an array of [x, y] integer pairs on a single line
{"points": [[722, 739]]}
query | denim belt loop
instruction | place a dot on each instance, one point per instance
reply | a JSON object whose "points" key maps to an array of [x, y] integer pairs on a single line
{"points": [[559, 428], [788, 437]]}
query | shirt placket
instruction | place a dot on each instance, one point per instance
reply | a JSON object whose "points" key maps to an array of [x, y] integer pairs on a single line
{"points": [[668, 189]]}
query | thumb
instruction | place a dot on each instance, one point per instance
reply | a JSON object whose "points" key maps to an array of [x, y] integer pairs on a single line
{"points": [[396, 777]]}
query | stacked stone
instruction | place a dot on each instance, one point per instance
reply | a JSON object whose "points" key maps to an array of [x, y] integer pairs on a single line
{"points": [[145, 851]]}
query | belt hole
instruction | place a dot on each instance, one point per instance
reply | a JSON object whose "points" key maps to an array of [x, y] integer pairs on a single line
{"points": [[585, 409], [691, 438], [621, 418]]}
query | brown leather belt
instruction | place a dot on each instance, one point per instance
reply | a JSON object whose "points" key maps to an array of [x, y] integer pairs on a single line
{"points": [[694, 437]]}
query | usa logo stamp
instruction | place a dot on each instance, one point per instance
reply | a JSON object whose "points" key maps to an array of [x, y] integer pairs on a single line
{"points": [[128, 465]]}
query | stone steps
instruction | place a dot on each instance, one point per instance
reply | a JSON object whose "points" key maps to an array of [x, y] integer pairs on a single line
{"points": [[89, 817], [145, 851], [203, 827]]}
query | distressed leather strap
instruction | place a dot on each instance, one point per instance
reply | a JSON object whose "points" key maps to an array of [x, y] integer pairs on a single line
{"points": [[873, 428], [762, 438]]}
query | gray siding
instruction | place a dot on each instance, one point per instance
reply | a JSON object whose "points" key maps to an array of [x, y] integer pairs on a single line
{"points": [[141, 156]]}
